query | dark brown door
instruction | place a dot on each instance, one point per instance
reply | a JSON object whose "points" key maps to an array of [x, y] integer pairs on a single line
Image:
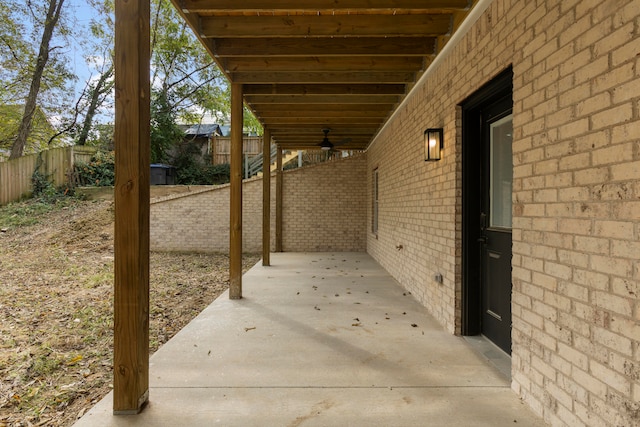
{"points": [[495, 222]]}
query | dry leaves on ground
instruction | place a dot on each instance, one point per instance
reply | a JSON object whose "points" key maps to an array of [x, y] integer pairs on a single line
{"points": [[56, 310]]}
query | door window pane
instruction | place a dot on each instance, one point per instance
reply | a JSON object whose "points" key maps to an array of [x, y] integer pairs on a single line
{"points": [[501, 172]]}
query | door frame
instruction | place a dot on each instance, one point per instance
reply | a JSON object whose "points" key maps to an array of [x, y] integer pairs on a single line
{"points": [[471, 309]]}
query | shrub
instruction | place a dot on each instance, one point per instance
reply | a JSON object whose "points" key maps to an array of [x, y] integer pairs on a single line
{"points": [[43, 188], [190, 171], [99, 172]]}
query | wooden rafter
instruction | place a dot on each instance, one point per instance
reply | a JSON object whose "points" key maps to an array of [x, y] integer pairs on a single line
{"points": [[326, 26], [319, 77], [231, 6], [324, 89], [317, 63], [310, 100], [378, 46], [326, 64]]}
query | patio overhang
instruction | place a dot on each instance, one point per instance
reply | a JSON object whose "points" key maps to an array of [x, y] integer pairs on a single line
{"points": [[339, 65], [323, 64]]}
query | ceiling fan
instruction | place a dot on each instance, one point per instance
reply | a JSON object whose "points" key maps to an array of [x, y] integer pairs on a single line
{"points": [[327, 145]]}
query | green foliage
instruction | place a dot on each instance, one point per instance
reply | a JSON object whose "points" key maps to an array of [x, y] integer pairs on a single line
{"points": [[190, 81], [43, 365], [101, 136], [33, 211], [21, 28], [165, 133], [99, 172], [189, 171], [251, 123], [41, 130], [43, 189]]}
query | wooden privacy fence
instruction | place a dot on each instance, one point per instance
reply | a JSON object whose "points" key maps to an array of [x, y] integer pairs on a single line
{"points": [[15, 175], [221, 148]]}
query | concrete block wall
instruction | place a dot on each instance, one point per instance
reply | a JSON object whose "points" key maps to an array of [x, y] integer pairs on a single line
{"points": [[323, 210], [325, 207], [576, 229]]}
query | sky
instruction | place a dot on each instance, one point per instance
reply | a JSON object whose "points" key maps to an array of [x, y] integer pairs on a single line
{"points": [[82, 13]]}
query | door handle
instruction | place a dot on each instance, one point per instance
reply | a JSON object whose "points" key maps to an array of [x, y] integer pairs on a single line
{"points": [[483, 239], [483, 221]]}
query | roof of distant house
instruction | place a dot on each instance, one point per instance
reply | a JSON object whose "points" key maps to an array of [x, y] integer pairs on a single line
{"points": [[41, 130], [204, 130]]}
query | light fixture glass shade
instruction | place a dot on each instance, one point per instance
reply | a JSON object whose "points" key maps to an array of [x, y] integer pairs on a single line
{"points": [[326, 145], [433, 140]]}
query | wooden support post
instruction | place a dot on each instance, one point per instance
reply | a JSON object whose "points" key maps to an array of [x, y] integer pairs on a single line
{"points": [[131, 241], [279, 199], [266, 197], [235, 234]]}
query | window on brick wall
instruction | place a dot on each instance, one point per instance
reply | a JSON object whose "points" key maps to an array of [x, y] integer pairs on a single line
{"points": [[374, 216]]}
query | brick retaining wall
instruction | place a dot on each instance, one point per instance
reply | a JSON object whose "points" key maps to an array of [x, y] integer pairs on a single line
{"points": [[324, 210]]}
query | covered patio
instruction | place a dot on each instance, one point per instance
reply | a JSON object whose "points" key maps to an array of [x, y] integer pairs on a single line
{"points": [[522, 226], [321, 339], [326, 68]]}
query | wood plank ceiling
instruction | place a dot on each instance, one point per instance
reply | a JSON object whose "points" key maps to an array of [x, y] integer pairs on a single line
{"points": [[307, 65]]}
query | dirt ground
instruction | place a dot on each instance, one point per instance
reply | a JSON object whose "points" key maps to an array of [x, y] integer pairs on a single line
{"points": [[56, 310]]}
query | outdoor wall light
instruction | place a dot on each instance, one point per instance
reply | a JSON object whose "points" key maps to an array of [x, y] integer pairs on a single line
{"points": [[433, 144]]}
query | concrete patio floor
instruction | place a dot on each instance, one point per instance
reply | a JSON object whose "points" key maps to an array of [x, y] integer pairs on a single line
{"points": [[320, 340]]}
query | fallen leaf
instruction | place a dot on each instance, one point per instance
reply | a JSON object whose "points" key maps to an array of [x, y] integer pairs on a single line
{"points": [[74, 360]]}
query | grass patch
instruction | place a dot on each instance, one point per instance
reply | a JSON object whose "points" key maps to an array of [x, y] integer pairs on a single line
{"points": [[31, 212]]}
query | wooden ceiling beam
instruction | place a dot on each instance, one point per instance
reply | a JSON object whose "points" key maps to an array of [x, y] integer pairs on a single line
{"points": [[311, 115], [316, 5], [274, 89], [325, 26], [323, 122], [318, 138], [306, 65], [312, 129], [322, 64], [290, 100], [317, 108], [309, 145], [318, 135], [313, 46], [399, 77]]}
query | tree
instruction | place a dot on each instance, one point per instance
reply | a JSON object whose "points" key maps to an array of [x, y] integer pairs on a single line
{"points": [[97, 94], [13, 52], [98, 90], [186, 82], [52, 17]]}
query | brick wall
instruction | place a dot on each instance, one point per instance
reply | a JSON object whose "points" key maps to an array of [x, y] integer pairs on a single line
{"points": [[576, 231], [323, 210], [198, 221], [325, 207]]}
